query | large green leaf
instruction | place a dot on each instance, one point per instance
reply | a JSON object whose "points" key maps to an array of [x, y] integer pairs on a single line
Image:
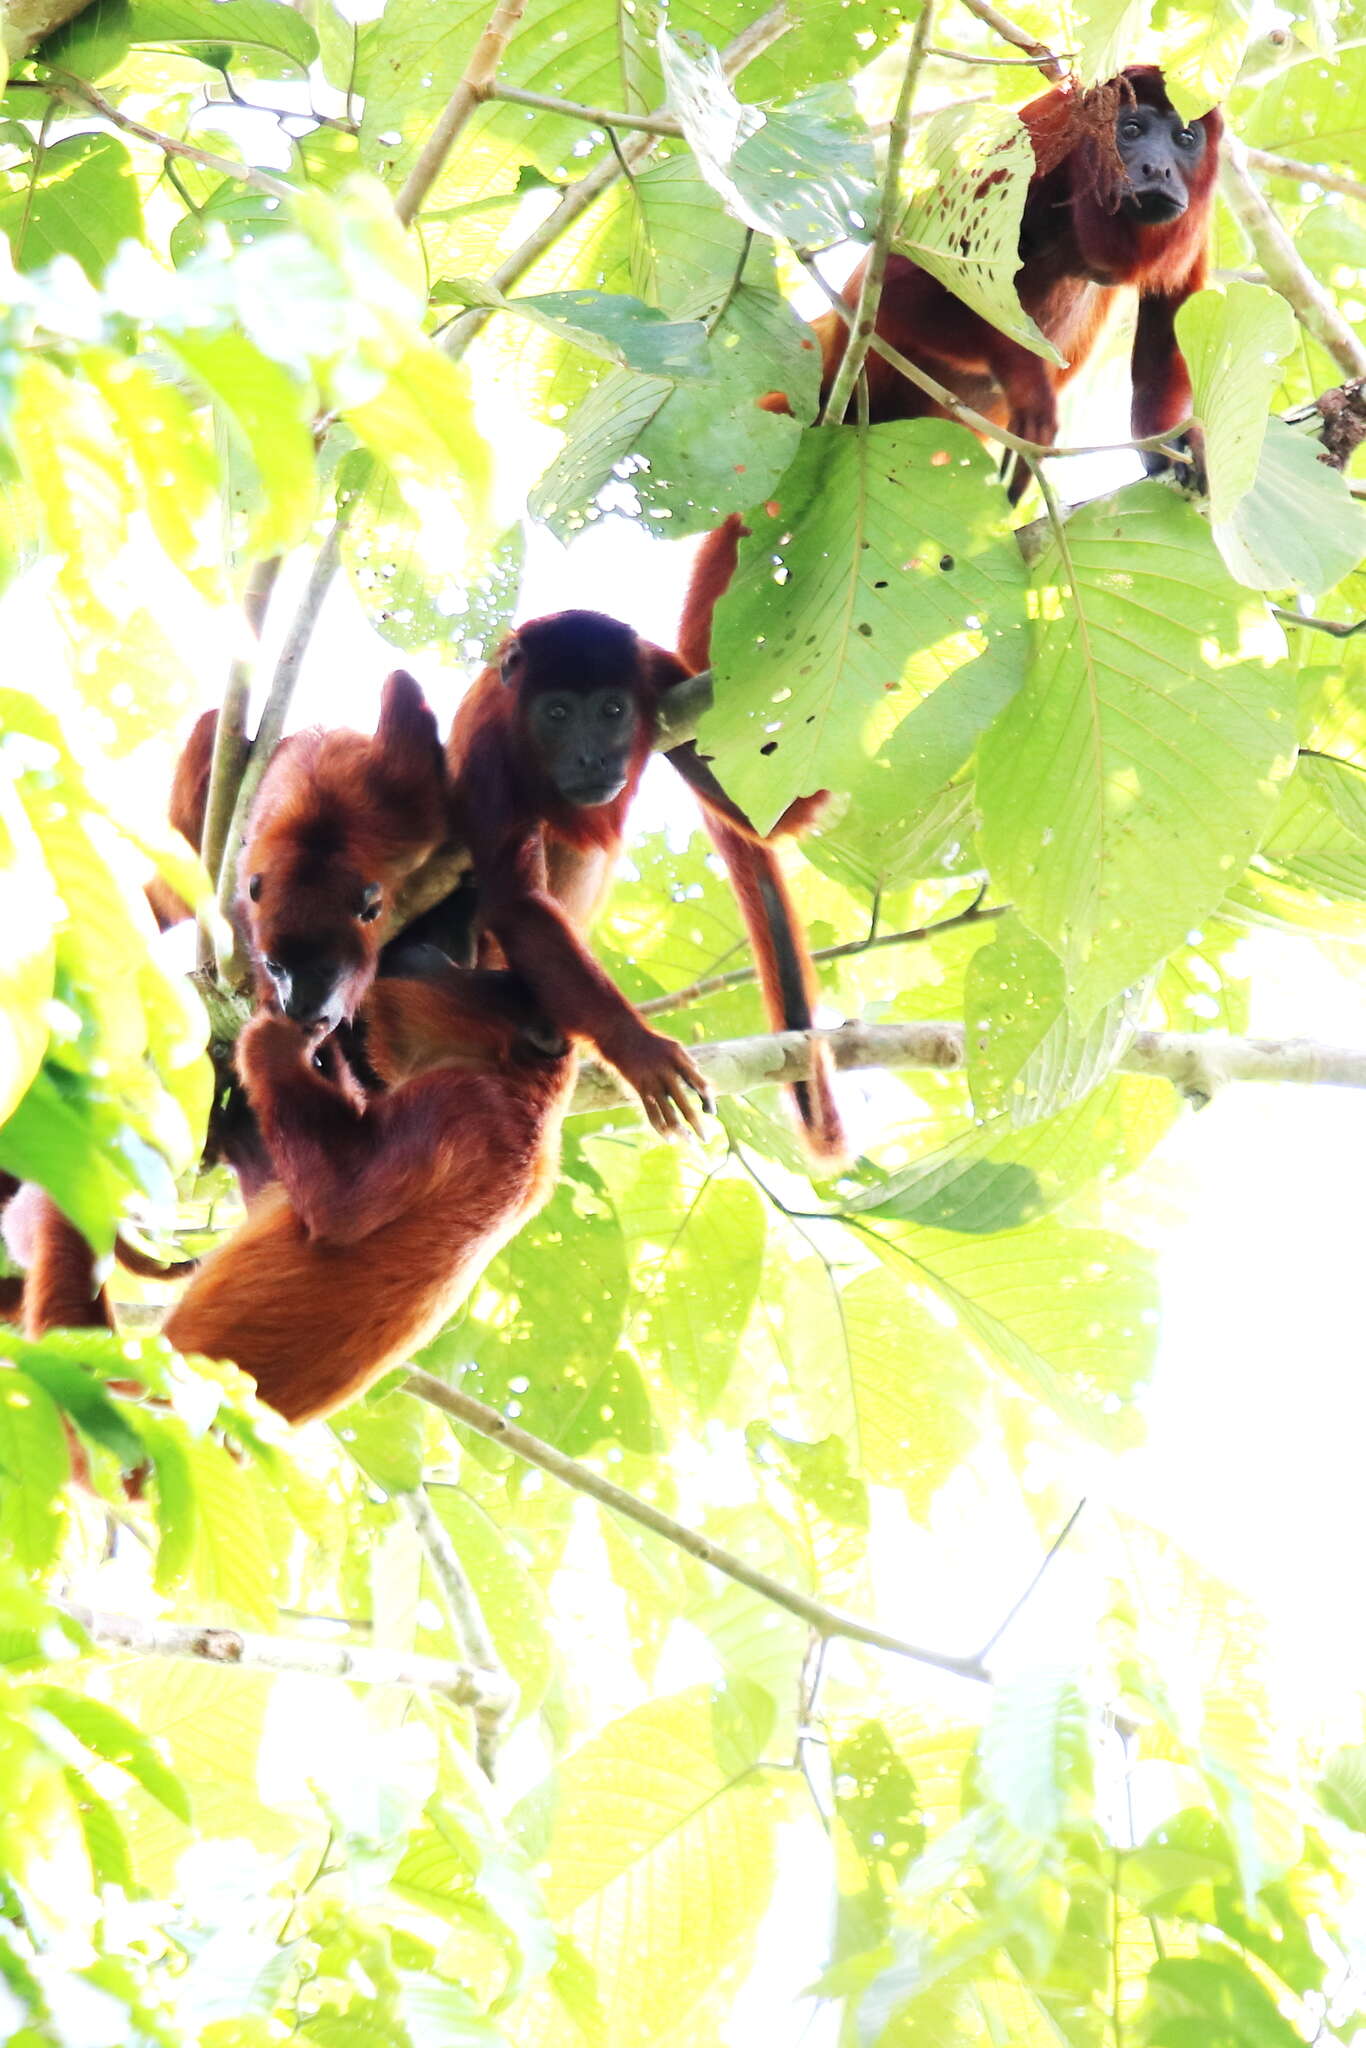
{"points": [[1026, 1052], [268, 35], [964, 180], [699, 1286], [1135, 774], [29, 912], [80, 199], [1298, 525], [1233, 341], [268, 410], [805, 173], [1315, 108], [660, 1863], [690, 453], [874, 627]]}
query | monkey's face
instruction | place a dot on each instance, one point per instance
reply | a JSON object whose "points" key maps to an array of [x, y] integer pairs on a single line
{"points": [[315, 940], [1159, 152], [586, 740]]}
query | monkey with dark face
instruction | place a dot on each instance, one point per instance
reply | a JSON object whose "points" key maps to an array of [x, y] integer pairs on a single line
{"points": [[546, 754]]}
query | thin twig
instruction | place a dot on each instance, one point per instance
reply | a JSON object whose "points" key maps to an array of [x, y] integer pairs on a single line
{"points": [[272, 721], [77, 93], [1286, 270], [826, 1621], [473, 87], [576, 199], [1054, 1547], [976, 57], [1039, 53], [1308, 174], [492, 1715], [860, 332], [459, 1683], [738, 977], [574, 110], [230, 748], [1339, 629]]}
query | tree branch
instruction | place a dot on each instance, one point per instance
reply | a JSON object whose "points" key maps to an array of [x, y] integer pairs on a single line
{"points": [[272, 721], [597, 117], [493, 1712], [1309, 174], [737, 977], [472, 88], [1198, 1063], [827, 1621], [1039, 53], [860, 331], [230, 745], [1313, 307], [458, 1683], [77, 93]]}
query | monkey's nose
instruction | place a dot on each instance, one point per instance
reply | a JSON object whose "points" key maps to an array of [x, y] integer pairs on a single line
{"points": [[305, 997]]}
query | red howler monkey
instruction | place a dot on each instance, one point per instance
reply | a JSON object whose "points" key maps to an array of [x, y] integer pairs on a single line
{"points": [[1096, 217], [388, 1210], [546, 754]]}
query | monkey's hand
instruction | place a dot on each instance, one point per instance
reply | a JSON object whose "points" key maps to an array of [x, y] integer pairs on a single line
{"points": [[664, 1077], [1187, 468], [271, 1048]]}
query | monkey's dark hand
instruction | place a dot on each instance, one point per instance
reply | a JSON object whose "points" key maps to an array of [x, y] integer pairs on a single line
{"points": [[665, 1079], [271, 1046], [1188, 468]]}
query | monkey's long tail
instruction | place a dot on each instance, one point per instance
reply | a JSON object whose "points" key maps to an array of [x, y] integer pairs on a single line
{"points": [[787, 978]]}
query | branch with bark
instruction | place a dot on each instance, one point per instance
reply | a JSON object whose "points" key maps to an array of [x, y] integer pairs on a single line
{"points": [[1286, 270], [461, 1684], [1197, 1063]]}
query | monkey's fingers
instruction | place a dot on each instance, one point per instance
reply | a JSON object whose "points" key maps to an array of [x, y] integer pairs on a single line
{"points": [[697, 1082], [683, 1105]]}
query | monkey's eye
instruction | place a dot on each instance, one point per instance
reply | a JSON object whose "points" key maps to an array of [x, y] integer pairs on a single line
{"points": [[273, 968], [371, 899], [1130, 130], [254, 888], [557, 711], [613, 708], [1187, 138]]}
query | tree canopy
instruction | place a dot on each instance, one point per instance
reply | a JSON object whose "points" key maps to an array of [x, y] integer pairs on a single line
{"points": [[547, 1694]]}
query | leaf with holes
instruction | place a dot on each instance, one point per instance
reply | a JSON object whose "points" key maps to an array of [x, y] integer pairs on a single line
{"points": [[691, 454], [874, 627], [1026, 1053], [964, 180], [804, 173], [1134, 776]]}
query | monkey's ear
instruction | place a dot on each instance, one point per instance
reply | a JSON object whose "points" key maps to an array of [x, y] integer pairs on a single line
{"points": [[406, 736], [664, 669], [511, 660]]}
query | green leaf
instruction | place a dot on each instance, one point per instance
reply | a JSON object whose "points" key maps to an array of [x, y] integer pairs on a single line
{"points": [[1209, 2002], [1233, 341], [804, 173], [660, 1862], [1342, 1788], [34, 1466], [691, 454], [619, 329], [421, 425], [1314, 109], [267, 410], [109, 1736], [875, 625], [385, 1439], [1299, 525], [698, 1296], [29, 911], [268, 33], [163, 442], [105, 1842], [912, 1393], [505, 1590], [1035, 1751], [965, 176], [80, 199], [1026, 1053], [1153, 717], [1201, 50]]}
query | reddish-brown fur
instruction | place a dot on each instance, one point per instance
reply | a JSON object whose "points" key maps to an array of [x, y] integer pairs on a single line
{"points": [[544, 864], [1076, 252], [339, 814], [387, 1211]]}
